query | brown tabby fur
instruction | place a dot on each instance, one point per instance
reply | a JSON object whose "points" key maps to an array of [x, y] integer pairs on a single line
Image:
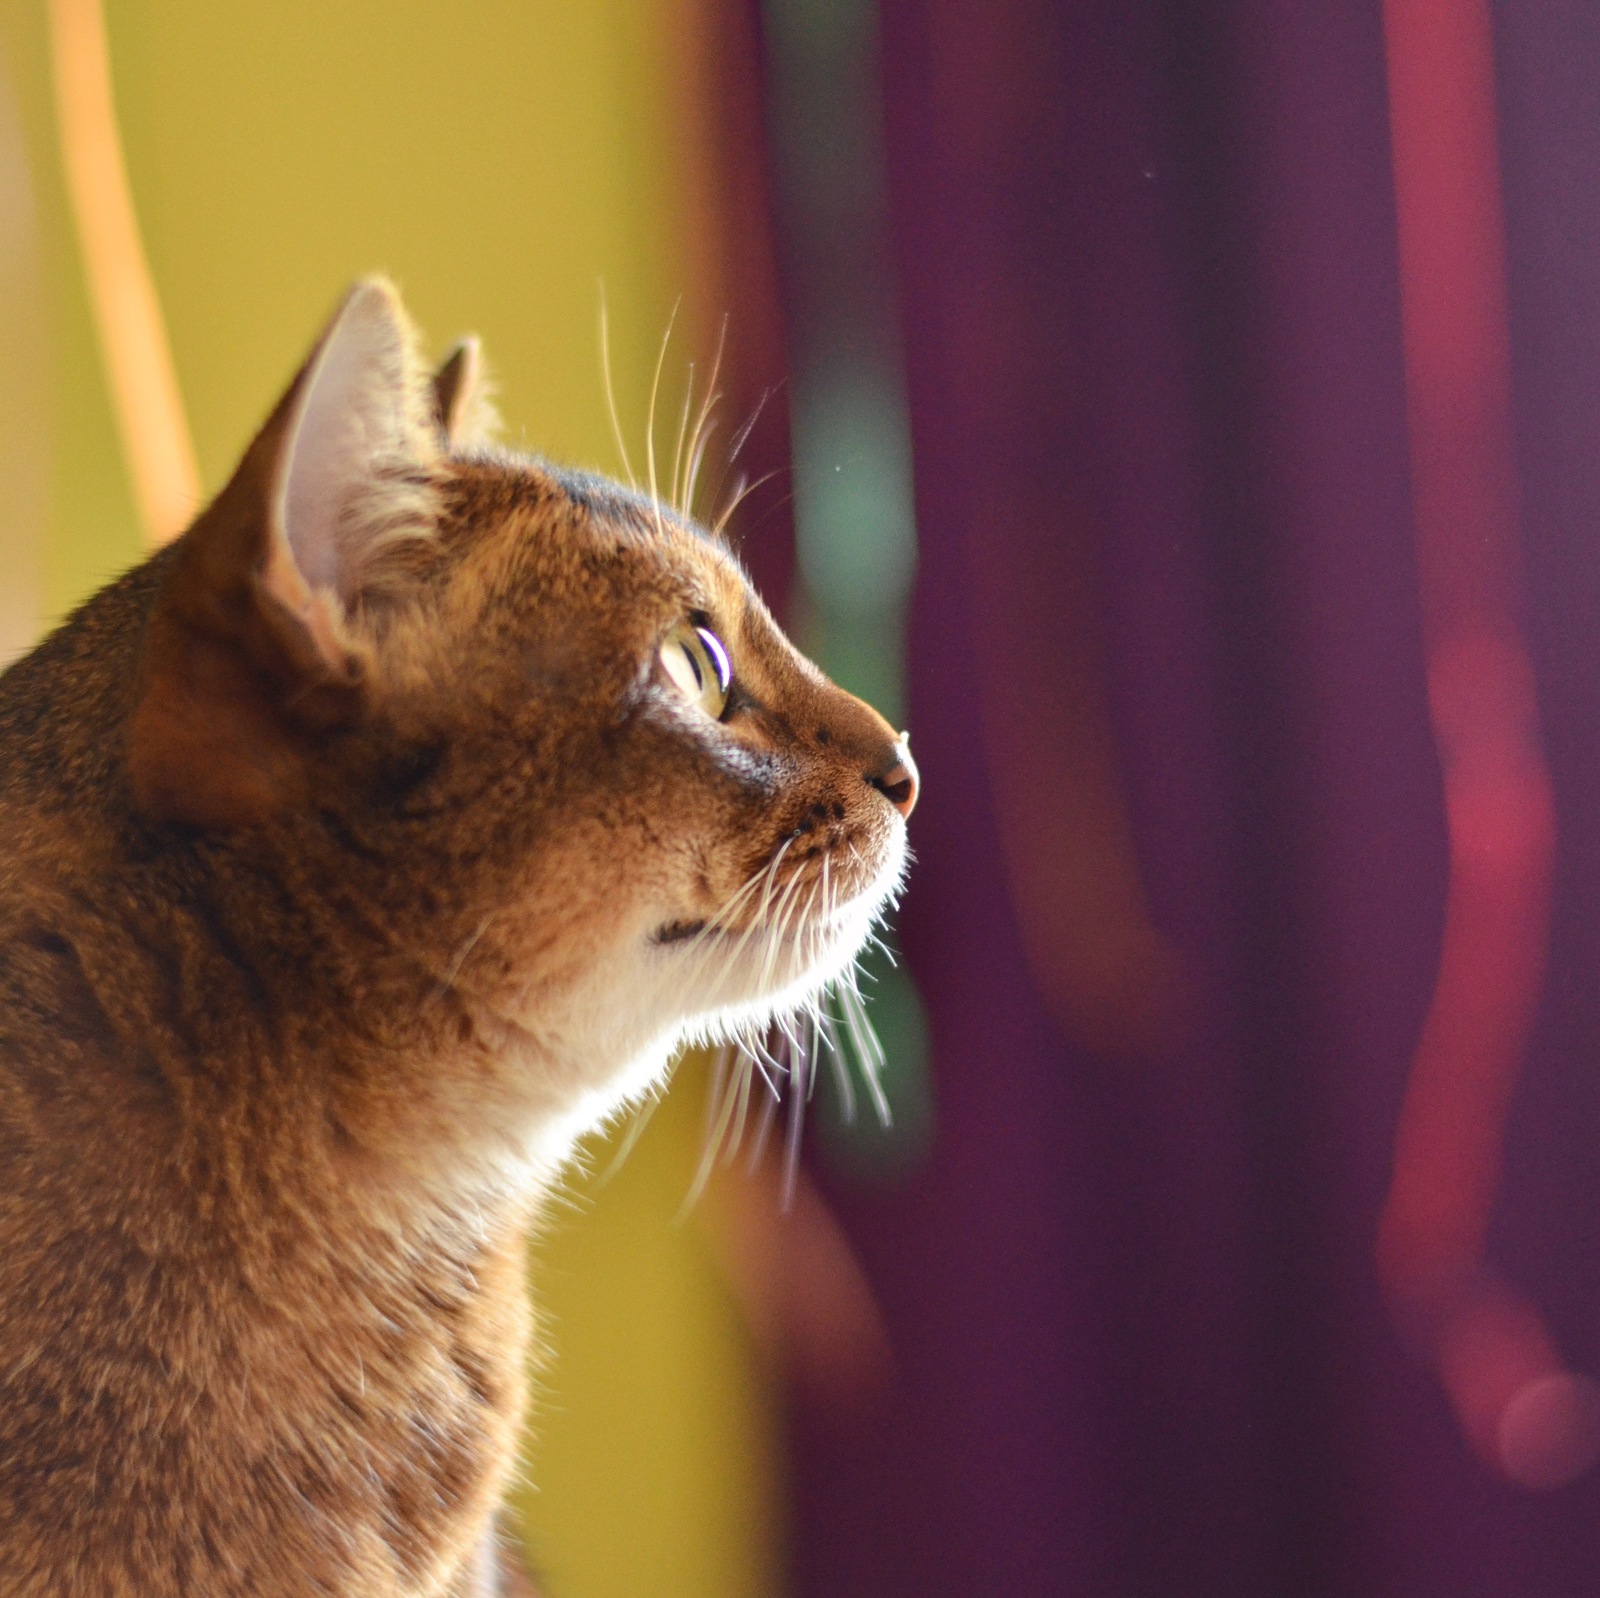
{"points": [[330, 914]]}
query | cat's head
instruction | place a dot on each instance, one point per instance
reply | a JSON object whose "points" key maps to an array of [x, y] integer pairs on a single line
{"points": [[534, 726]]}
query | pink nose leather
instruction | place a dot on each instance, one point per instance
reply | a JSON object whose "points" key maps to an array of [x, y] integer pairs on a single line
{"points": [[899, 784]]}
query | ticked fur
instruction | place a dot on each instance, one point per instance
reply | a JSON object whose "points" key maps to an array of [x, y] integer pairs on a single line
{"points": [[358, 857]]}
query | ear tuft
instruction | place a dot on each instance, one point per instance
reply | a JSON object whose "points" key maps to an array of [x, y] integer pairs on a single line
{"points": [[356, 471], [462, 405]]}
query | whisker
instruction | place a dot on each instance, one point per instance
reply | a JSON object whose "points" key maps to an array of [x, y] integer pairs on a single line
{"points": [[742, 436], [642, 1116], [767, 1067], [770, 1105], [611, 397], [721, 1107], [758, 920], [817, 1043], [798, 1095], [763, 1060], [696, 460], [720, 1061], [701, 434], [784, 1026], [740, 495], [677, 448], [789, 899], [717, 922], [757, 924], [650, 418], [709, 949], [772, 869], [770, 510], [703, 944], [839, 1066], [746, 1068], [789, 925], [869, 1050]]}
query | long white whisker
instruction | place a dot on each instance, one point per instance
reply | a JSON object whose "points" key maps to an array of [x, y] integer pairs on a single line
{"points": [[696, 460], [718, 920], [650, 420], [702, 435], [769, 1113], [758, 920], [736, 1136], [798, 1095], [704, 944], [721, 1060], [765, 1065], [869, 1050], [772, 870], [611, 396], [742, 437], [779, 924], [677, 448], [828, 896], [738, 442], [642, 1116], [838, 1064], [721, 1108], [780, 921]]}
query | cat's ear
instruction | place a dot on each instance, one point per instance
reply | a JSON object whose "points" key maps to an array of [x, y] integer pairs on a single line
{"points": [[252, 653], [353, 467], [462, 409]]}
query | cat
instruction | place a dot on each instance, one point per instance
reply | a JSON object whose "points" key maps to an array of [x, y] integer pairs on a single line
{"points": [[362, 849]]}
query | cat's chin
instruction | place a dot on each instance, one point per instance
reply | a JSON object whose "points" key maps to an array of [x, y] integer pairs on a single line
{"points": [[785, 978], [696, 987], [728, 984]]}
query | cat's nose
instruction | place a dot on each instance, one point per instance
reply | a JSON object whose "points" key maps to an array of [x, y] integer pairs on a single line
{"points": [[898, 782]]}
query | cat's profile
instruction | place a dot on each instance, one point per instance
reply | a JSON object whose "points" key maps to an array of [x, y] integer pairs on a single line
{"points": [[358, 852]]}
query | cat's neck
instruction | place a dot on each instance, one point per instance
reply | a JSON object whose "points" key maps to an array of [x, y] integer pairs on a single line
{"points": [[293, 1046]]}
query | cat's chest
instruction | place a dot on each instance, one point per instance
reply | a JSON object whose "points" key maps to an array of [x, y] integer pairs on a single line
{"points": [[320, 1418]]}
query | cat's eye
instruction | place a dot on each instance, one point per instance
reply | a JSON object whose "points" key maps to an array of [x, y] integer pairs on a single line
{"points": [[696, 663]]}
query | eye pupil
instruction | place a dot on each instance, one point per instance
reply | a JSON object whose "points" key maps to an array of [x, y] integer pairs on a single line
{"points": [[696, 662]]}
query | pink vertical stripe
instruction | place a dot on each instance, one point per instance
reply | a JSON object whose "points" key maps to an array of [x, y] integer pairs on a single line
{"points": [[1522, 1412]]}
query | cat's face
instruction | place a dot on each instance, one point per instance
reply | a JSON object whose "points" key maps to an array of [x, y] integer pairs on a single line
{"points": [[683, 820], [570, 758]]}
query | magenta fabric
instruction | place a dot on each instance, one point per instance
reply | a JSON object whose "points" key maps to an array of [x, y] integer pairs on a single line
{"points": [[1140, 1346]]}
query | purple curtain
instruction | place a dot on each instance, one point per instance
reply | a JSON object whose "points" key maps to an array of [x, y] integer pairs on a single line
{"points": [[1148, 296]]}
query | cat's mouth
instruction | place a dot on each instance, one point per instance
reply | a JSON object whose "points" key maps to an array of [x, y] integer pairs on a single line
{"points": [[702, 927], [671, 932], [805, 910]]}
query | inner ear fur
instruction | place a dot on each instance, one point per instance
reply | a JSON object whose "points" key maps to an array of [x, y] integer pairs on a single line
{"points": [[251, 654], [463, 410]]}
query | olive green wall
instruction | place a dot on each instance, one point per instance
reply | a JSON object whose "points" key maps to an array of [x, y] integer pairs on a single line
{"points": [[498, 159]]}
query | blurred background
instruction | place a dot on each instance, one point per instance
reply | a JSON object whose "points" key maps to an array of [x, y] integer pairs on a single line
{"points": [[1184, 418]]}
